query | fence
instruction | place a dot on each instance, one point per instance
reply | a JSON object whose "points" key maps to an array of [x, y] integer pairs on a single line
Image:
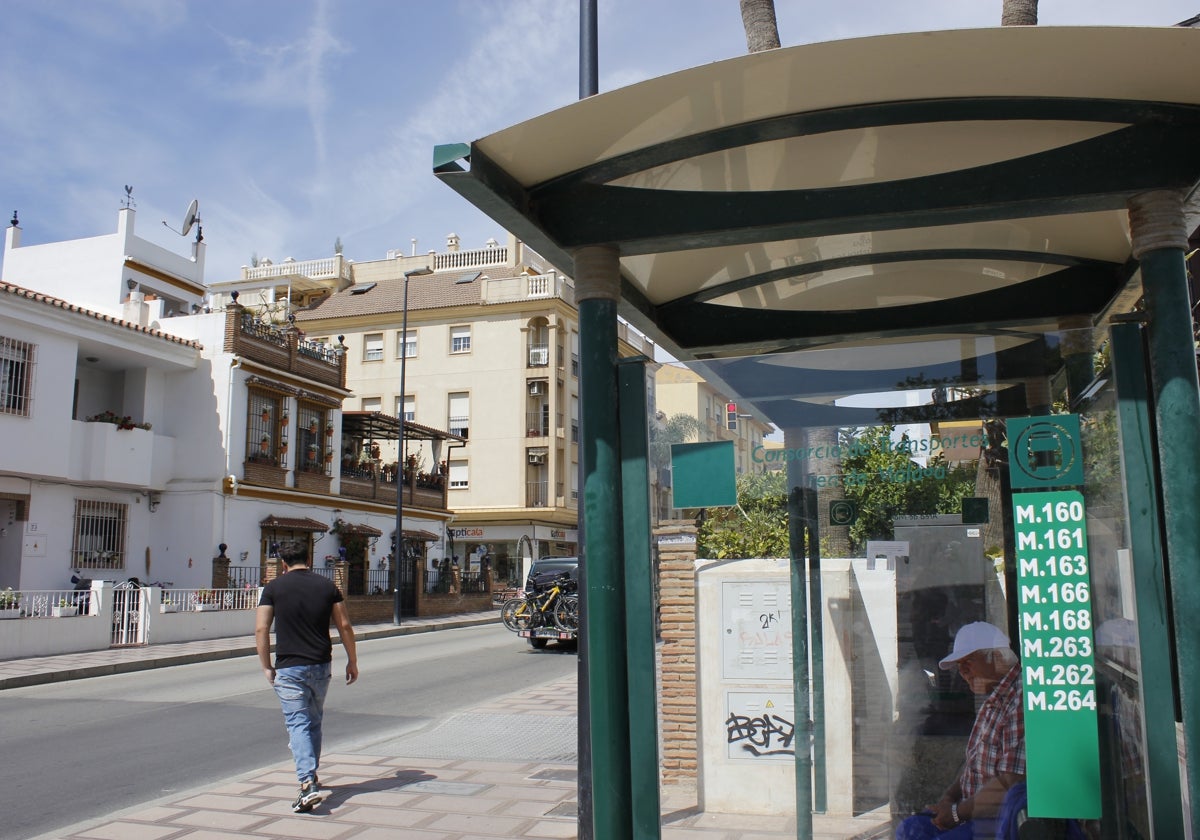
{"points": [[208, 600], [47, 603]]}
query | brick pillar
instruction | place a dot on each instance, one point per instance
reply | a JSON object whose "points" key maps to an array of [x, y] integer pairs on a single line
{"points": [[676, 542], [220, 569], [455, 580], [271, 569], [341, 575]]}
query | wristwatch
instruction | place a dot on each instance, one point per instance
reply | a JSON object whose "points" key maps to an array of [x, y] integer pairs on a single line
{"points": [[954, 813]]}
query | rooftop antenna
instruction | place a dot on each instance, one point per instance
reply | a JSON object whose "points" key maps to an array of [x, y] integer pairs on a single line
{"points": [[129, 203], [190, 217]]}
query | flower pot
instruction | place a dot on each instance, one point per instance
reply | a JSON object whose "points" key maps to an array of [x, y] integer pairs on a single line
{"points": [[10, 612], [64, 612], [168, 608], [207, 607]]}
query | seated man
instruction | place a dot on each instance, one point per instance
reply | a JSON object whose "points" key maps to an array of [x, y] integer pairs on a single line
{"points": [[995, 756]]}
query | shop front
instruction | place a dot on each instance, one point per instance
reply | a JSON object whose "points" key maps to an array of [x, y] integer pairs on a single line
{"points": [[508, 549]]}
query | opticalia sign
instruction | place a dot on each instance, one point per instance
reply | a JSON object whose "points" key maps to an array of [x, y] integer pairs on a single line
{"points": [[467, 533]]}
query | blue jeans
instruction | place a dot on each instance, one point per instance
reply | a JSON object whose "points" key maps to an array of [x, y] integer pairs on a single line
{"points": [[301, 690]]}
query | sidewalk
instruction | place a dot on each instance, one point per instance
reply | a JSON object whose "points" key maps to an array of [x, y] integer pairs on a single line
{"points": [[447, 783]]}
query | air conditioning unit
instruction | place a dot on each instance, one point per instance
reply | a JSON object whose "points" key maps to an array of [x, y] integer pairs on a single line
{"points": [[537, 388], [537, 457]]}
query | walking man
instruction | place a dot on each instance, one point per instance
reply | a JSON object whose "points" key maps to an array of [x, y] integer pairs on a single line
{"points": [[301, 604]]}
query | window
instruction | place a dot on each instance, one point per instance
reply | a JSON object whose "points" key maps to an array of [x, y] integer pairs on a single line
{"points": [[410, 408], [99, 535], [266, 440], [16, 376], [372, 404], [460, 414], [459, 478], [460, 339], [314, 452], [406, 344], [373, 347]]}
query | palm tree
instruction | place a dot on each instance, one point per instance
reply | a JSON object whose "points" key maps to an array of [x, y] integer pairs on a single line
{"points": [[758, 18], [1019, 13]]}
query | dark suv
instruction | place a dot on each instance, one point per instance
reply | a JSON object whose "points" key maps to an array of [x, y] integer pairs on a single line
{"points": [[542, 571]]}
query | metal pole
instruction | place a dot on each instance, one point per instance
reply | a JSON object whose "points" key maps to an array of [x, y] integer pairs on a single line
{"points": [[803, 727], [639, 600], [597, 275], [398, 555], [1156, 223], [588, 86], [589, 62], [398, 551]]}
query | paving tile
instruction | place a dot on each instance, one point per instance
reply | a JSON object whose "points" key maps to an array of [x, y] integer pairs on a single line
{"points": [[552, 828], [368, 815], [409, 834], [220, 802], [310, 827], [230, 821], [157, 813], [489, 825], [125, 830]]}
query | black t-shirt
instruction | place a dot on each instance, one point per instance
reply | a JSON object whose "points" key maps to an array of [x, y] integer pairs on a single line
{"points": [[303, 603]]}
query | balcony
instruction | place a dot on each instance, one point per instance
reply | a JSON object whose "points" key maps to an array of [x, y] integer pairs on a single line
{"points": [[378, 485], [281, 348], [329, 268], [528, 287], [101, 453], [539, 355]]}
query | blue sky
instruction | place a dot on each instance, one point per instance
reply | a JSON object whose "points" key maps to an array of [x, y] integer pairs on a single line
{"points": [[296, 122]]}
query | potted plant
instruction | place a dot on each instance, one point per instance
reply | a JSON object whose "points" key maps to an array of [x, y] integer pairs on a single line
{"points": [[10, 603], [207, 600], [329, 429], [313, 425], [168, 607], [264, 445], [266, 415], [64, 608]]}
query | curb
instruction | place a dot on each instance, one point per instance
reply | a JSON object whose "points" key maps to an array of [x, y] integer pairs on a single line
{"points": [[237, 650]]}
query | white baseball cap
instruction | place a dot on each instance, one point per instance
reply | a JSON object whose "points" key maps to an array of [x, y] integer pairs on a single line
{"points": [[978, 635]]}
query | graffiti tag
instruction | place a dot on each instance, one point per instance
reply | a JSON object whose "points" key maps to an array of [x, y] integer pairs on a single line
{"points": [[766, 735]]}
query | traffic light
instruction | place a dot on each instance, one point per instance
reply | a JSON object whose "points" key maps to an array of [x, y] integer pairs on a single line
{"points": [[731, 416]]}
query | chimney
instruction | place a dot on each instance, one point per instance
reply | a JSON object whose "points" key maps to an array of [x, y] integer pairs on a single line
{"points": [[452, 243]]}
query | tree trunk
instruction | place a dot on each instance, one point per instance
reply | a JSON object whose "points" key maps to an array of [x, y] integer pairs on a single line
{"points": [[1019, 13], [758, 18]]}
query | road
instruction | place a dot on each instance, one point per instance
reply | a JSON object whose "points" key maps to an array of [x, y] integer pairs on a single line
{"points": [[77, 750]]}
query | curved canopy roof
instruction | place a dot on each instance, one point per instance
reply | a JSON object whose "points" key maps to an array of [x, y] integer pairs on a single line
{"points": [[934, 202]]}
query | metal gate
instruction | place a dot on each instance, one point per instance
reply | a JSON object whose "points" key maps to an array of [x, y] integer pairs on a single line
{"points": [[129, 615], [408, 587]]}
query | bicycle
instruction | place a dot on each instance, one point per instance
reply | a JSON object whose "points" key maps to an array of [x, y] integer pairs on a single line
{"points": [[540, 606]]}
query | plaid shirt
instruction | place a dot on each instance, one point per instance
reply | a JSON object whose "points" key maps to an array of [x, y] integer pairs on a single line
{"points": [[997, 742]]}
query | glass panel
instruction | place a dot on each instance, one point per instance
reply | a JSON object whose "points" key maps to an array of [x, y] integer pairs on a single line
{"points": [[901, 452]]}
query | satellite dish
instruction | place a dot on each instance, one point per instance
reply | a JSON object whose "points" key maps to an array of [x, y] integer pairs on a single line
{"points": [[190, 217]]}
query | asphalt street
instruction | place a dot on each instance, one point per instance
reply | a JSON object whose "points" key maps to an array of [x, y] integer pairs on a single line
{"points": [[84, 748]]}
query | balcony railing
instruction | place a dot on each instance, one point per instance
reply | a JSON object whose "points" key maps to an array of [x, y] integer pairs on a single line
{"points": [[536, 493], [329, 268], [478, 258], [539, 355], [528, 287], [281, 348]]}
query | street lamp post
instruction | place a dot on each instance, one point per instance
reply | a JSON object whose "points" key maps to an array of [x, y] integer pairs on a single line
{"points": [[398, 555]]}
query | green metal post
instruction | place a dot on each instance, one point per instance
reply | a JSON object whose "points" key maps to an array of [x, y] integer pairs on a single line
{"points": [[639, 599], [803, 732], [816, 610], [597, 281], [1149, 581], [1159, 241]]}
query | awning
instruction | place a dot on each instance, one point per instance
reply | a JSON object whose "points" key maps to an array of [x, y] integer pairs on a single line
{"points": [[807, 225], [374, 425], [418, 534], [363, 530], [283, 523]]}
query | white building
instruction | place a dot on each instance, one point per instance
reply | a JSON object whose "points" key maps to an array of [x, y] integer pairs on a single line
{"points": [[231, 439]]}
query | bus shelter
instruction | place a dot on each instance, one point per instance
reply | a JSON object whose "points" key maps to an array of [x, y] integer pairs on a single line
{"points": [[968, 246]]}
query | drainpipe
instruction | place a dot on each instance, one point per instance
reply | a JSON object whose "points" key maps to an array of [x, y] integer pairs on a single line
{"points": [[1156, 223], [234, 364]]}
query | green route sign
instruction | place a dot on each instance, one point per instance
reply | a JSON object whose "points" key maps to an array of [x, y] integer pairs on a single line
{"points": [[1062, 749]]}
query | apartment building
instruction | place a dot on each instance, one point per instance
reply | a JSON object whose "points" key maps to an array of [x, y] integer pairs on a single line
{"points": [[490, 354]]}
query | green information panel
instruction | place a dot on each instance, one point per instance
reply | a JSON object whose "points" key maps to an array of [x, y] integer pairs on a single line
{"points": [[703, 474], [1044, 452], [1054, 602]]}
